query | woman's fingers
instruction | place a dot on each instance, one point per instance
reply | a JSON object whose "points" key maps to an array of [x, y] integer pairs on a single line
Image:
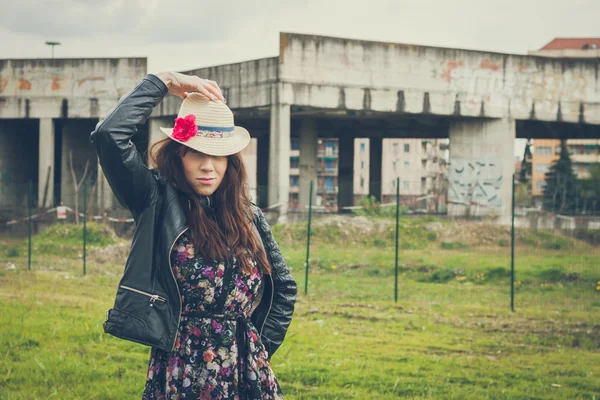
{"points": [[219, 91]]}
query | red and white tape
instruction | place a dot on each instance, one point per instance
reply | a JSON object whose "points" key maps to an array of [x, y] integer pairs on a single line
{"points": [[70, 210]]}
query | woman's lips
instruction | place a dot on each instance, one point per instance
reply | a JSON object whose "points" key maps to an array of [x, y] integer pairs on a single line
{"points": [[206, 181]]}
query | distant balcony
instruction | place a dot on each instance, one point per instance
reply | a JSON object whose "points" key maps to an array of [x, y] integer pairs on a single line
{"points": [[585, 158], [328, 190], [331, 154], [294, 171], [328, 172], [294, 189]]}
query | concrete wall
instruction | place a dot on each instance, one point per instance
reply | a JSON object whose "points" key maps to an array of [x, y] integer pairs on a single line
{"points": [[66, 88], [391, 77], [245, 84]]}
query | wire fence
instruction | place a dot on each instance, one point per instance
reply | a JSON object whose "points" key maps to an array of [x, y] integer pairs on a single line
{"points": [[397, 250]]}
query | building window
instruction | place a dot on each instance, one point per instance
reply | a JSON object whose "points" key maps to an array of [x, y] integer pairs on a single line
{"points": [[405, 164], [329, 165], [394, 184], [394, 165], [362, 165], [543, 151], [294, 163], [407, 148], [362, 147], [328, 184], [557, 150], [328, 148], [295, 144], [395, 149], [362, 181], [294, 181], [540, 185], [542, 168], [406, 184]]}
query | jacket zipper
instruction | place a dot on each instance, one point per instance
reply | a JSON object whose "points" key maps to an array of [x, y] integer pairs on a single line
{"points": [[176, 285], [270, 305], [153, 297]]}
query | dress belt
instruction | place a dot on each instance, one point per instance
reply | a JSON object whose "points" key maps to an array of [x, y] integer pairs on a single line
{"points": [[241, 335]]}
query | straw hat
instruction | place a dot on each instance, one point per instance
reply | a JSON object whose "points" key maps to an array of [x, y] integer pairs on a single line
{"points": [[207, 126]]}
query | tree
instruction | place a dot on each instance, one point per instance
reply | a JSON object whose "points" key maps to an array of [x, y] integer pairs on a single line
{"points": [[561, 184], [590, 191]]}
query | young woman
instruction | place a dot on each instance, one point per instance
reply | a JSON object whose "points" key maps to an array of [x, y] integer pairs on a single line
{"points": [[205, 283]]}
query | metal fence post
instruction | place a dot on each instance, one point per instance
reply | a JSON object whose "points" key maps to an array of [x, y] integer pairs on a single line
{"points": [[84, 222], [397, 236], [512, 249], [29, 222], [308, 237]]}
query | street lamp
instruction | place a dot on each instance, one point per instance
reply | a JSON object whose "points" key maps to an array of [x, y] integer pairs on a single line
{"points": [[52, 44]]}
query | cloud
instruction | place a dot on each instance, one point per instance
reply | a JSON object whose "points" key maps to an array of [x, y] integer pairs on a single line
{"points": [[187, 34]]}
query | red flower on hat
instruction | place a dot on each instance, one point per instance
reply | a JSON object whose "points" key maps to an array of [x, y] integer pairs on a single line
{"points": [[185, 128]]}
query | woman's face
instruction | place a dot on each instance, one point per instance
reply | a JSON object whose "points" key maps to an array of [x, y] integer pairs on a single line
{"points": [[203, 172]]}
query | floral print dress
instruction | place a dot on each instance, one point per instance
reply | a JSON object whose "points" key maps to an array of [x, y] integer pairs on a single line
{"points": [[218, 353]]}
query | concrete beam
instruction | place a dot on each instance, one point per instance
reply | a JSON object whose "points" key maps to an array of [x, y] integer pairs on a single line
{"points": [[279, 159], [481, 168], [308, 162], [46, 163]]}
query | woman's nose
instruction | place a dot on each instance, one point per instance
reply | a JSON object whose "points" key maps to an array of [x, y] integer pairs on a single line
{"points": [[207, 164]]}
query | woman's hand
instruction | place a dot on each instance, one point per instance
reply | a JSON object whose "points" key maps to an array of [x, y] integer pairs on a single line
{"points": [[181, 84]]}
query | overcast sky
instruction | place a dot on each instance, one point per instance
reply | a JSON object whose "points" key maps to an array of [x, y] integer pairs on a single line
{"points": [[187, 34]]}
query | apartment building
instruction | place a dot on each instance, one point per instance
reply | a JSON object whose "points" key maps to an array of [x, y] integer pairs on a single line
{"points": [[326, 185], [584, 153], [421, 166]]}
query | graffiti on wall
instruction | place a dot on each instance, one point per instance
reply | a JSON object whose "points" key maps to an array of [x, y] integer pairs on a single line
{"points": [[475, 181]]}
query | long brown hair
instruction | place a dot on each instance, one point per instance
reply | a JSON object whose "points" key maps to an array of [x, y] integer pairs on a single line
{"points": [[235, 235]]}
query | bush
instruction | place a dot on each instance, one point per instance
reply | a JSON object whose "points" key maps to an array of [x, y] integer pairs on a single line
{"points": [[557, 274], [558, 243], [453, 246], [433, 274], [498, 272], [431, 236], [13, 251], [373, 209], [503, 243], [67, 239]]}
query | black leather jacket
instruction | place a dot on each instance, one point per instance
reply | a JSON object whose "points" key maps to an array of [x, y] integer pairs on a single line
{"points": [[148, 304]]}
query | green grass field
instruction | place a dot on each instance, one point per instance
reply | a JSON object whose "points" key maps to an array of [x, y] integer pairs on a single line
{"points": [[451, 335]]}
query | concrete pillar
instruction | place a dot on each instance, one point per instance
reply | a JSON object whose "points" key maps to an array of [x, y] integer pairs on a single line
{"points": [[481, 167], [46, 163], [262, 173], [279, 159], [375, 159], [346, 172], [308, 162]]}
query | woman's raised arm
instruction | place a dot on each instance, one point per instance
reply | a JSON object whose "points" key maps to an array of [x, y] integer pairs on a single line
{"points": [[130, 180]]}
